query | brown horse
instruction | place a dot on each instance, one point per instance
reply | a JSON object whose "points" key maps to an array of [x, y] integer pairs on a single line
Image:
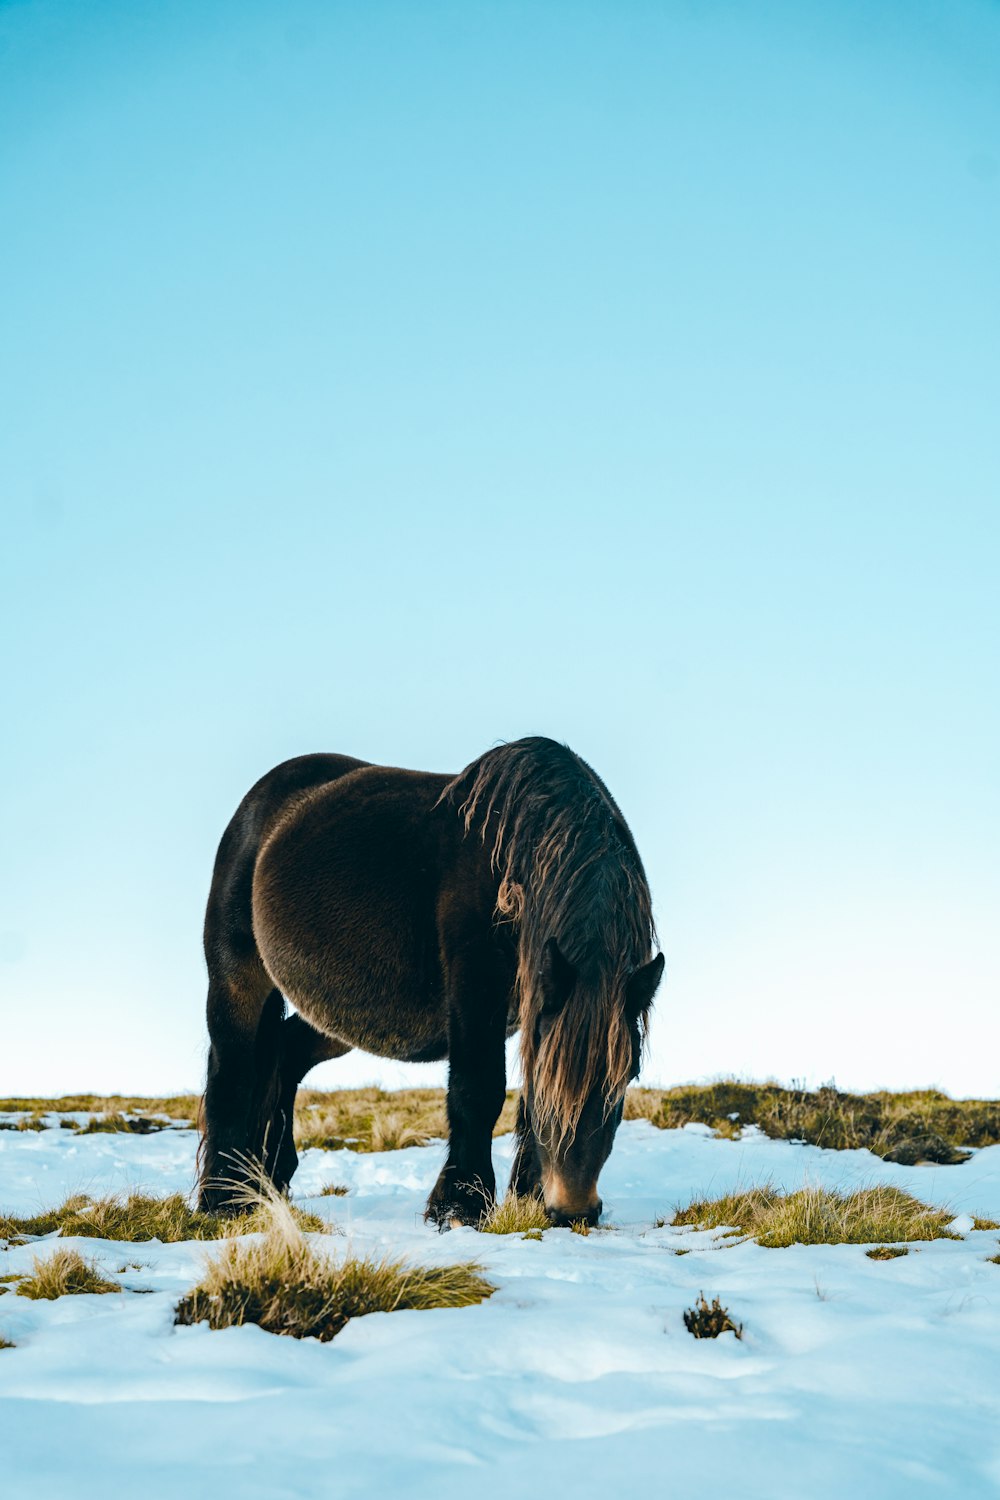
{"points": [[421, 916]]}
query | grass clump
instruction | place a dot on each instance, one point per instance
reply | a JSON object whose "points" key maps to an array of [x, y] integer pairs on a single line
{"points": [[62, 1274], [516, 1214], [6, 1343], [32, 1122], [179, 1107], [820, 1216], [887, 1252], [921, 1125], [978, 1223], [377, 1119], [283, 1284], [140, 1217], [119, 1124], [334, 1190], [707, 1320]]}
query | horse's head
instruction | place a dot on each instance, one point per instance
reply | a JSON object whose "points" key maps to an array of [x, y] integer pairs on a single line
{"points": [[594, 1058]]}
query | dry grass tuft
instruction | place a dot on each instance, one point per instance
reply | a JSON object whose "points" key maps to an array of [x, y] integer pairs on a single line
{"points": [[119, 1124], [32, 1122], [140, 1217], [516, 1215], [887, 1252], [922, 1125], [985, 1223], [642, 1104], [334, 1190], [62, 1274], [820, 1216], [378, 1120], [6, 1344], [283, 1284], [707, 1320], [179, 1107], [392, 1132]]}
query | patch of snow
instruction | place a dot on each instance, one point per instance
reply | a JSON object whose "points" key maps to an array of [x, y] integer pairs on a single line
{"points": [[873, 1377]]}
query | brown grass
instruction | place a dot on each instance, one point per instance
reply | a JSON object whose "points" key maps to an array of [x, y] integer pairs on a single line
{"points": [[177, 1106], [924, 1125], [377, 1119], [887, 1252], [138, 1217], [985, 1223], [820, 1216], [285, 1285], [62, 1274], [516, 1215]]}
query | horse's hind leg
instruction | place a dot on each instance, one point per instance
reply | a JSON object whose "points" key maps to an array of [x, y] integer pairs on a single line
{"points": [[245, 1015], [301, 1048]]}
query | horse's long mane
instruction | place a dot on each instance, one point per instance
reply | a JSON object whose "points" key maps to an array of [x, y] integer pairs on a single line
{"points": [[569, 870]]}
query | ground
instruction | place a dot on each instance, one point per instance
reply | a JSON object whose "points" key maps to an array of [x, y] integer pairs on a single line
{"points": [[877, 1378]]}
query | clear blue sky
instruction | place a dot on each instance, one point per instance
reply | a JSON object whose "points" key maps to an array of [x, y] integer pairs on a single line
{"points": [[397, 378]]}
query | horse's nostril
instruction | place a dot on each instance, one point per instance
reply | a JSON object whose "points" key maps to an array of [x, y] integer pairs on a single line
{"points": [[564, 1218]]}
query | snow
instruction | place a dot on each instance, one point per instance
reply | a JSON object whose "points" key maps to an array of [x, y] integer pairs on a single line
{"points": [[853, 1376]]}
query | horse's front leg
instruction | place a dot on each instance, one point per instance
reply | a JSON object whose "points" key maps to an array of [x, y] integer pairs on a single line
{"points": [[477, 1017], [526, 1173]]}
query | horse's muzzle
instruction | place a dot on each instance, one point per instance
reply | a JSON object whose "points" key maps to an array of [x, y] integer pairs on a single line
{"points": [[562, 1218]]}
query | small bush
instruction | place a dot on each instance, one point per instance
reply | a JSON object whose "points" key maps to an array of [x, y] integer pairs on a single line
{"points": [[516, 1214], [707, 1321], [284, 1285], [140, 1217], [886, 1252], [62, 1274], [820, 1216]]}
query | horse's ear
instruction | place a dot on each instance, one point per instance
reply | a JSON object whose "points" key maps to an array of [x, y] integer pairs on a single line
{"points": [[557, 978], [642, 987]]}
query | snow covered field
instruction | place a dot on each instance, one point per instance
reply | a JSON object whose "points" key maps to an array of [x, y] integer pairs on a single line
{"points": [[853, 1377]]}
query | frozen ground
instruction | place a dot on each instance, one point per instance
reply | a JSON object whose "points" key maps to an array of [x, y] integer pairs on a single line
{"points": [[854, 1377]]}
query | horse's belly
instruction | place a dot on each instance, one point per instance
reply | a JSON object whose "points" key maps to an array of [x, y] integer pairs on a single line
{"points": [[403, 1032]]}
